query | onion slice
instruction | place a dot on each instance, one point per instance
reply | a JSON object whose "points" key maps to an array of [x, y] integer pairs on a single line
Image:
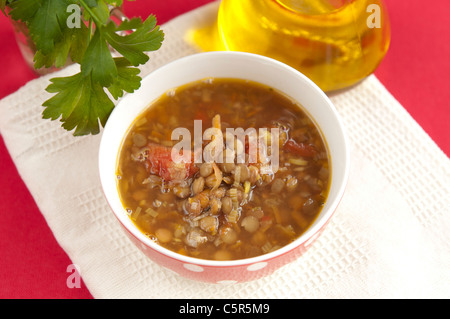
{"points": [[218, 175]]}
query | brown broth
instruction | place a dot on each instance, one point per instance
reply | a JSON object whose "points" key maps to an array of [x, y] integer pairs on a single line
{"points": [[191, 215]]}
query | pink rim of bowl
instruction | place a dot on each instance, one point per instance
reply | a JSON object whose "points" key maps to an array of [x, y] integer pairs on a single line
{"points": [[225, 65]]}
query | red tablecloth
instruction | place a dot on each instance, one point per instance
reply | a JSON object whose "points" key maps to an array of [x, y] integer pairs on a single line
{"points": [[416, 71]]}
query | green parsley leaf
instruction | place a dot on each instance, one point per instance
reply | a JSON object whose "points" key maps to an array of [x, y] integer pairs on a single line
{"points": [[44, 26], [80, 102], [127, 79], [98, 10], [24, 10], [98, 60], [146, 37], [116, 3], [73, 44], [91, 3]]}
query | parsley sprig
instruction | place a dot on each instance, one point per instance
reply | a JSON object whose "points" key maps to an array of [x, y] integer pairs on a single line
{"points": [[81, 101]]}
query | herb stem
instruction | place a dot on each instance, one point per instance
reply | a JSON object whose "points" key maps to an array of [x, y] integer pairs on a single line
{"points": [[91, 13], [91, 24]]}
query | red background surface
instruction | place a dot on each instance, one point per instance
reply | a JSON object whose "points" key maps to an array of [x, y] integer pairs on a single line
{"points": [[415, 70]]}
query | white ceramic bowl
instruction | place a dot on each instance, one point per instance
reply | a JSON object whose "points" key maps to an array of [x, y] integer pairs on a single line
{"points": [[225, 65]]}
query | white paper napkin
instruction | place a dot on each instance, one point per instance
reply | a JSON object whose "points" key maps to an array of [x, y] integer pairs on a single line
{"points": [[390, 237]]}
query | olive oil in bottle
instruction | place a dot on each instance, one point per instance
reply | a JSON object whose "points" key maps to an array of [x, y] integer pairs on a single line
{"points": [[336, 43]]}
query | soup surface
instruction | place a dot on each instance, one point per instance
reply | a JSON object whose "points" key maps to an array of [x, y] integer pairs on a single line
{"points": [[194, 187]]}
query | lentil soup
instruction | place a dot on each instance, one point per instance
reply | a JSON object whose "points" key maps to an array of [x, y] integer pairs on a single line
{"points": [[225, 209]]}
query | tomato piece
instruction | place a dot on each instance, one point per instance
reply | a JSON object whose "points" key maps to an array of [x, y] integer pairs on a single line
{"points": [[159, 162], [201, 115], [300, 149]]}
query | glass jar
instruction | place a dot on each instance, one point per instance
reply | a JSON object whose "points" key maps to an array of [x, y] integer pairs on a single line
{"points": [[28, 48], [336, 43]]}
